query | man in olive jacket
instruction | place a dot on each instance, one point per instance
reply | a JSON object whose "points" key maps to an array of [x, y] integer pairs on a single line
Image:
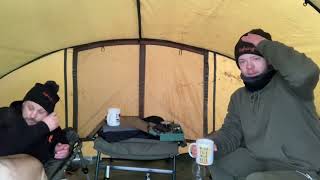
{"points": [[271, 130]]}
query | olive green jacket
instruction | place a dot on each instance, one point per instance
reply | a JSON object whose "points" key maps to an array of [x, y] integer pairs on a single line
{"points": [[278, 122]]}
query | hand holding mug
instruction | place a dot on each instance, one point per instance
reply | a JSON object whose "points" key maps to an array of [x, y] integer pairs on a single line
{"points": [[194, 150], [203, 150]]}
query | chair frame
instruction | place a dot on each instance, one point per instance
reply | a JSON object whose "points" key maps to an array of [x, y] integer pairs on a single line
{"points": [[108, 167]]}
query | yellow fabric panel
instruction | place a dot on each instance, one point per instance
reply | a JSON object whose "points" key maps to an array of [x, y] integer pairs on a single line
{"points": [[228, 80], [217, 24], [11, 59], [70, 86], [31, 29], [15, 86], [107, 78], [210, 92], [174, 87], [87, 149]]}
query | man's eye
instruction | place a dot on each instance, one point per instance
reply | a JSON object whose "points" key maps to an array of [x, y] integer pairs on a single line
{"points": [[30, 107], [41, 112]]}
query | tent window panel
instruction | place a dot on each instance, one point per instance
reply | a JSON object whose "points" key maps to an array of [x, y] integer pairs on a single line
{"points": [[174, 87], [107, 77], [228, 80]]}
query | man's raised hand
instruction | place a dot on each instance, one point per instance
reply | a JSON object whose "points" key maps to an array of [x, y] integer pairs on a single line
{"points": [[51, 121]]}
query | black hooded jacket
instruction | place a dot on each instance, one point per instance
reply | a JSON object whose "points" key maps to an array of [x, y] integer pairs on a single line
{"points": [[16, 137]]}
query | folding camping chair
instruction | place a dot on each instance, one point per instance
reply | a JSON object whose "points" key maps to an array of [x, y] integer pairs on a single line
{"points": [[135, 149], [58, 170]]}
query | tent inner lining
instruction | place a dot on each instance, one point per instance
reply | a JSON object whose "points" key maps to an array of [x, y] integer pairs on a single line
{"points": [[142, 44]]}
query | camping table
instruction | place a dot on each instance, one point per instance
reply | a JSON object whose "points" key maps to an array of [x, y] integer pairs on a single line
{"points": [[125, 122]]}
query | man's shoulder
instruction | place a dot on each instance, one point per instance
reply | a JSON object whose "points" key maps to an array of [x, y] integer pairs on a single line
{"points": [[8, 115], [239, 92], [4, 110]]}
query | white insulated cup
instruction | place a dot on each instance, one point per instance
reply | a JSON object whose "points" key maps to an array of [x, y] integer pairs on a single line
{"points": [[113, 117], [205, 148]]}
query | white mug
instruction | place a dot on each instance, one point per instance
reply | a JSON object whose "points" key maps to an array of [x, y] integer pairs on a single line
{"points": [[113, 117], [205, 148]]}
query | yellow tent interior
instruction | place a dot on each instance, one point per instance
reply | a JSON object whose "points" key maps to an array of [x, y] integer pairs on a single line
{"points": [[171, 58]]}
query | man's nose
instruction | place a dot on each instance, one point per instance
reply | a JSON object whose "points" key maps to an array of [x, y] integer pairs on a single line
{"points": [[33, 114], [249, 65]]}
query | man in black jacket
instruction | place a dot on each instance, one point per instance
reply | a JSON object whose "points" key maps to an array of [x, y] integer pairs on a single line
{"points": [[31, 127]]}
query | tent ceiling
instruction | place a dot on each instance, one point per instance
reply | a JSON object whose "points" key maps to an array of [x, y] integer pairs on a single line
{"points": [[30, 29]]}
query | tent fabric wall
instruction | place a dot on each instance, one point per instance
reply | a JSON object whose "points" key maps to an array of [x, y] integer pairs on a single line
{"points": [[36, 32], [174, 87], [107, 77], [33, 29], [228, 80], [217, 25]]}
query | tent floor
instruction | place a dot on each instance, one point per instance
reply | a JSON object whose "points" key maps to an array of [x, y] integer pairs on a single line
{"points": [[184, 164]]}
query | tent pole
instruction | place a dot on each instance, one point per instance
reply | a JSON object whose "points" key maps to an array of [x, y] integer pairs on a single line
{"points": [[65, 89], [306, 2]]}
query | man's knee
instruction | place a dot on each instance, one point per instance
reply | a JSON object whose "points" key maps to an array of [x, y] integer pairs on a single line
{"points": [[239, 163], [218, 172], [255, 176]]}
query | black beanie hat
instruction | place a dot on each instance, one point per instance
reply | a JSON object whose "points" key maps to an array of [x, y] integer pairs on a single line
{"points": [[44, 94], [248, 48]]}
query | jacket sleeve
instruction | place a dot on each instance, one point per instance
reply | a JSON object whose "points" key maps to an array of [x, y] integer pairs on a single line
{"points": [[15, 138], [229, 137], [299, 71], [55, 137]]}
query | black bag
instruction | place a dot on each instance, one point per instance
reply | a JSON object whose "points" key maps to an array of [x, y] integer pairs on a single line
{"points": [[116, 134]]}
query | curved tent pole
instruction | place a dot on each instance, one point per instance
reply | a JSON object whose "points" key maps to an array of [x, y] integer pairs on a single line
{"points": [[205, 92], [65, 88], [306, 2], [214, 91], [29, 62], [139, 19], [116, 42]]}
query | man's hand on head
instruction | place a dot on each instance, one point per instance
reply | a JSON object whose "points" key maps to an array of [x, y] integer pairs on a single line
{"points": [[61, 151], [253, 39], [51, 121]]}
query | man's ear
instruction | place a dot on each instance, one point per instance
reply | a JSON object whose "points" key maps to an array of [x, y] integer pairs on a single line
{"points": [[23, 103]]}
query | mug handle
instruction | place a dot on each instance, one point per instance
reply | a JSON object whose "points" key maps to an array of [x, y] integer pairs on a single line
{"points": [[189, 149], [108, 118]]}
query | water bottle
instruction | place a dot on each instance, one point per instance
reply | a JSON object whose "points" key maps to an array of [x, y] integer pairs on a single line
{"points": [[198, 171]]}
